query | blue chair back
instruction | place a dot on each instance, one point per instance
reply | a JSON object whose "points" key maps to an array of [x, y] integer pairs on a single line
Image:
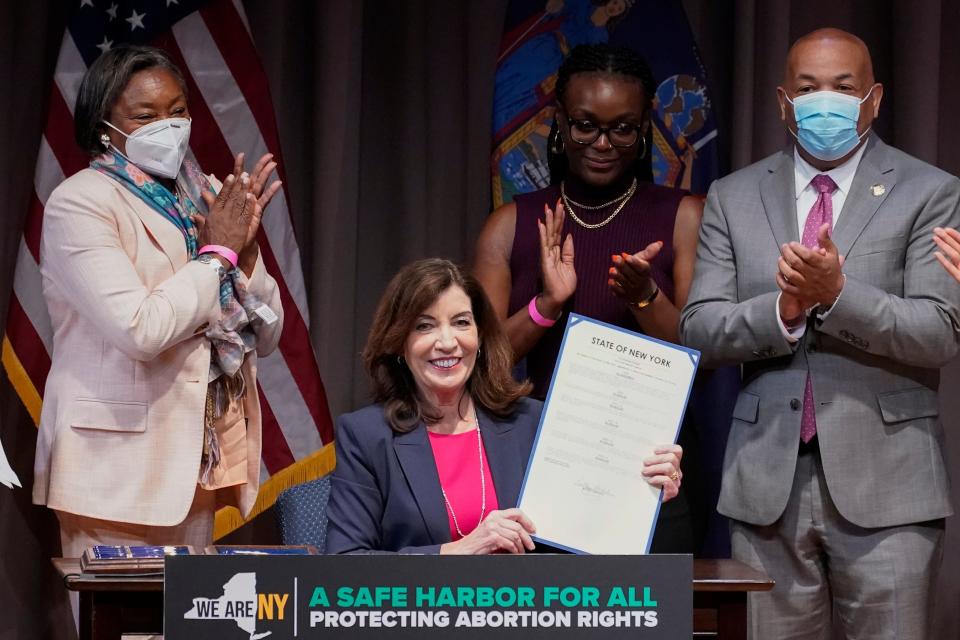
{"points": [[302, 513]]}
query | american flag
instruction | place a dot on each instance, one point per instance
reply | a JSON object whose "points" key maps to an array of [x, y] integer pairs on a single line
{"points": [[230, 105]]}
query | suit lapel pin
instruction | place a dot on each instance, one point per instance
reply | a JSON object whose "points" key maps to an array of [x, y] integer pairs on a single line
{"points": [[878, 190]]}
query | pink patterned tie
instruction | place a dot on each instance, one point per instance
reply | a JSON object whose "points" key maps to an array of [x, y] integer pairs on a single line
{"points": [[820, 213]]}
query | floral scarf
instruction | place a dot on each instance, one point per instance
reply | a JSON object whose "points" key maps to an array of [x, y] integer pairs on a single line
{"points": [[233, 336]]}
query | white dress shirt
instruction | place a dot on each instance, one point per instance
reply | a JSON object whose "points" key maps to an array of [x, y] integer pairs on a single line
{"points": [[806, 196]]}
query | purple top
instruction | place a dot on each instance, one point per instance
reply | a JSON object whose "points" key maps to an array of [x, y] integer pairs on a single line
{"points": [[647, 217]]}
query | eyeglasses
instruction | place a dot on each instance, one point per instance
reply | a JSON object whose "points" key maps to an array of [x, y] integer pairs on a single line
{"points": [[620, 134]]}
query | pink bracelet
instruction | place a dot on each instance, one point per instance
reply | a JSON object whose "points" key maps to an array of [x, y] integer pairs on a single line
{"points": [[535, 314], [230, 255]]}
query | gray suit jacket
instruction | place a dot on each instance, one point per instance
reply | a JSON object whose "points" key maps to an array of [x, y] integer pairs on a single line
{"points": [[874, 360]]}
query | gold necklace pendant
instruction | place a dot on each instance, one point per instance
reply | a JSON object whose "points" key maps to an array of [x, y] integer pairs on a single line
{"points": [[586, 225], [625, 195]]}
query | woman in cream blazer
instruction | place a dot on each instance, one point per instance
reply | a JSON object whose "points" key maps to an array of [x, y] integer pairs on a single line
{"points": [[122, 430]]}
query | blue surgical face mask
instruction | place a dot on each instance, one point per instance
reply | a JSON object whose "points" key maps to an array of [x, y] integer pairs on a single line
{"points": [[827, 123]]}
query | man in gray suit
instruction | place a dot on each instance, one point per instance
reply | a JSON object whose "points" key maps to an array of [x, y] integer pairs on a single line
{"points": [[815, 271]]}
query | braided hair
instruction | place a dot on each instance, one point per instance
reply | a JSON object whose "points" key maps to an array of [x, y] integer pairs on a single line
{"points": [[602, 58]]}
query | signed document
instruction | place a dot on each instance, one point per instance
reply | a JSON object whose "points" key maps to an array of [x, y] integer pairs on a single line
{"points": [[615, 395]]}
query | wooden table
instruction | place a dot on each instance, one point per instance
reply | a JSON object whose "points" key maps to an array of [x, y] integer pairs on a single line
{"points": [[720, 589], [115, 604]]}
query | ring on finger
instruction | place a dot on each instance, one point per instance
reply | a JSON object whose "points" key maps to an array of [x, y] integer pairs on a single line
{"points": [[674, 475]]}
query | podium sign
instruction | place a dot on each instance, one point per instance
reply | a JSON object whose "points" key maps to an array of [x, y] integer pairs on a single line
{"points": [[398, 596]]}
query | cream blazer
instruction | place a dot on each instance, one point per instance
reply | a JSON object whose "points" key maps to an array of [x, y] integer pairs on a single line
{"points": [[121, 430]]}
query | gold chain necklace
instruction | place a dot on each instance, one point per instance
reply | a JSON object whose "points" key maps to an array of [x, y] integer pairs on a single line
{"points": [[626, 194], [483, 484], [587, 225]]}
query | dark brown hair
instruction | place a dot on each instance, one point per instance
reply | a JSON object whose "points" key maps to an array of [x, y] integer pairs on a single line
{"points": [[412, 290]]}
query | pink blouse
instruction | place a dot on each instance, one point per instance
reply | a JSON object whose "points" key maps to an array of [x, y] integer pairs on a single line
{"points": [[459, 468]]}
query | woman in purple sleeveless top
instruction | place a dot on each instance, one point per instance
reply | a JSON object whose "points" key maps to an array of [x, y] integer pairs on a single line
{"points": [[602, 240]]}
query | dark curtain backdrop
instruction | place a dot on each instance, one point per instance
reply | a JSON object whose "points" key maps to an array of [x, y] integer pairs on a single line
{"points": [[384, 117]]}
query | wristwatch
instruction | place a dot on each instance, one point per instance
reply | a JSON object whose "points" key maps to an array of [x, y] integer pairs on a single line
{"points": [[210, 259], [640, 304]]}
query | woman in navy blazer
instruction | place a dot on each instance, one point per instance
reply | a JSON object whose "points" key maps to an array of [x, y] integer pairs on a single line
{"points": [[402, 484]]}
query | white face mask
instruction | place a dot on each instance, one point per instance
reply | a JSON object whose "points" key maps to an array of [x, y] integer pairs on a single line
{"points": [[159, 147]]}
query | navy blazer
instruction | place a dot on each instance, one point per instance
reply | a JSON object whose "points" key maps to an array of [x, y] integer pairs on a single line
{"points": [[386, 490]]}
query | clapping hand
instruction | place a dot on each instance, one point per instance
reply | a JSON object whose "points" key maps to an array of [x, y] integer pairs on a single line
{"points": [[808, 277], [948, 240], [630, 278], [556, 263], [258, 180], [236, 211], [259, 176], [228, 219]]}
